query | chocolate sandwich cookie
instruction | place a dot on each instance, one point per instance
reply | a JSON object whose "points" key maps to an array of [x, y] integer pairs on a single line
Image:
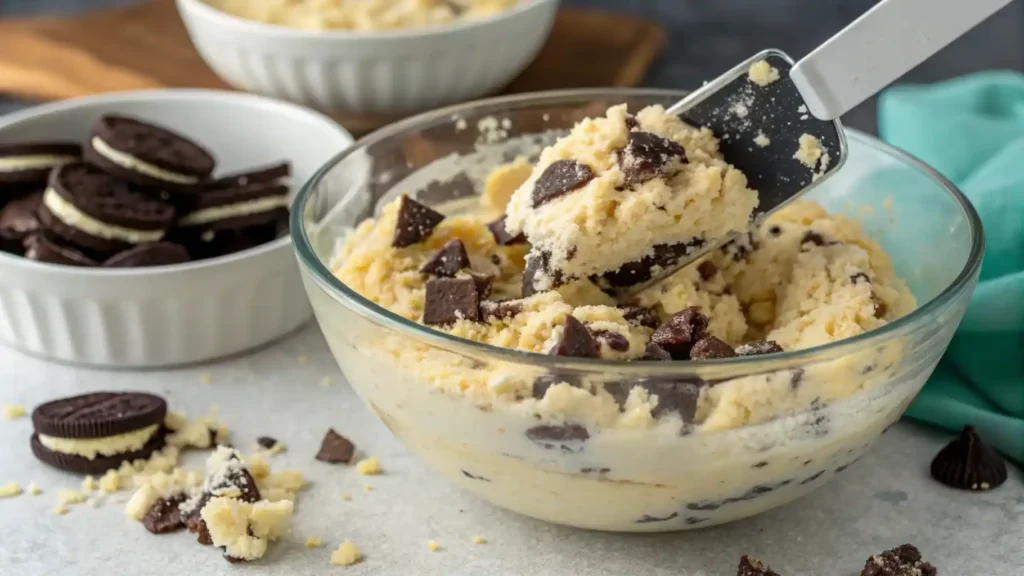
{"points": [[30, 163], [93, 210], [151, 254], [92, 433], [42, 248], [147, 154], [18, 221]]}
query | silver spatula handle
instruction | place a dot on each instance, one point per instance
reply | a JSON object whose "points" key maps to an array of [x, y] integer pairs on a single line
{"points": [[879, 47]]}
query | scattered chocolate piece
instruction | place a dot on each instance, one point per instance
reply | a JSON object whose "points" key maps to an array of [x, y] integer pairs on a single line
{"points": [[639, 316], [415, 223], [968, 464], [681, 332], [707, 270], [645, 156], [335, 449], [753, 567], [501, 309], [904, 560], [710, 348], [165, 515], [655, 352], [501, 235], [451, 299], [266, 442], [576, 341], [614, 340], [560, 178], [758, 347], [447, 261], [854, 278]]}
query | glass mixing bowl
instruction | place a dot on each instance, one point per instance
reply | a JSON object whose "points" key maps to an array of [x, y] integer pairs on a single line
{"points": [[784, 424]]}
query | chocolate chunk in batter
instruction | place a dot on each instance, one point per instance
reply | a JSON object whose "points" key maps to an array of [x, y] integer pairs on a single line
{"points": [[551, 436], [758, 347], [415, 223], [451, 299], [447, 261], [812, 237], [881, 308], [576, 341], [560, 178], [646, 155], [665, 256], [483, 282], [707, 270], [639, 316], [674, 396], [501, 309], [681, 332], [855, 278], [710, 348], [655, 352], [501, 235], [752, 567], [614, 340], [903, 560], [646, 519], [538, 263]]}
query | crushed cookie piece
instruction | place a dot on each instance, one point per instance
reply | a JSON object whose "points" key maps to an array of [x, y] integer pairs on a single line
{"points": [[710, 348], [903, 560], [335, 448], [448, 260], [681, 332], [753, 567]]}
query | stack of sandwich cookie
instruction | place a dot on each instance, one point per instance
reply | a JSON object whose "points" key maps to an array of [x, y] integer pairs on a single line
{"points": [[93, 433], [236, 212], [18, 221], [148, 155], [28, 164]]}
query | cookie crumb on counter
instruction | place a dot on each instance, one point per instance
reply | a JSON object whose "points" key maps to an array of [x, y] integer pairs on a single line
{"points": [[314, 542], [762, 73], [67, 497], [479, 540], [433, 546], [13, 411], [346, 555], [205, 378], [110, 482], [369, 487], [33, 489], [10, 490], [761, 140], [325, 381], [89, 484], [59, 510], [346, 497], [368, 466]]}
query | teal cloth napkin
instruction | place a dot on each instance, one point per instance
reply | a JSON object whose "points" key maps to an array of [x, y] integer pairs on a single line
{"points": [[972, 131]]}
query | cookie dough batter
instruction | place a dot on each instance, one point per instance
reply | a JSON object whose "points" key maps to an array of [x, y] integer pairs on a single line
{"points": [[361, 15], [622, 188]]}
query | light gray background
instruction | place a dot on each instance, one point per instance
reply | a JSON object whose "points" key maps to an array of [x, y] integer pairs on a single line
{"points": [[885, 500]]}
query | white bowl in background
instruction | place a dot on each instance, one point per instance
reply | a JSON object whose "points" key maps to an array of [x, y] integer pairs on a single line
{"points": [[387, 72], [168, 315]]}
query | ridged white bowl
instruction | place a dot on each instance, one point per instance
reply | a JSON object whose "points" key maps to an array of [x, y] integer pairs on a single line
{"points": [[389, 72], [168, 315]]}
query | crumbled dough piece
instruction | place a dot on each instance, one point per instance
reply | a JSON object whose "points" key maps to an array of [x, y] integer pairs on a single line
{"points": [[761, 140], [257, 466], [314, 542], [33, 489], [325, 381], [89, 484], [110, 482], [10, 490], [66, 497], [368, 466], [762, 73], [245, 529], [479, 540], [433, 546], [13, 411], [175, 421], [346, 497], [140, 502], [502, 182], [346, 555], [59, 510], [810, 151]]}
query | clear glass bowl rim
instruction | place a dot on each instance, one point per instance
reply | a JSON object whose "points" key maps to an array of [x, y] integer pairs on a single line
{"points": [[321, 274]]}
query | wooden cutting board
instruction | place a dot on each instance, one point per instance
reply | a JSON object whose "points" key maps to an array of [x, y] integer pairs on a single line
{"points": [[146, 46]]}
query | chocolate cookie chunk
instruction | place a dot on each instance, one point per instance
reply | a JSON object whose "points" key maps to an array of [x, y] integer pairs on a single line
{"points": [[449, 300], [98, 414], [903, 560], [93, 210], [148, 155], [415, 223], [710, 348], [335, 448], [29, 164], [681, 332], [647, 155], [42, 248], [752, 567], [165, 515], [151, 254], [560, 178], [18, 221], [576, 341], [501, 235], [447, 261]]}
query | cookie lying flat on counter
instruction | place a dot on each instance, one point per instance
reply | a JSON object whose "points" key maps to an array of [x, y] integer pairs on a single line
{"points": [[30, 162], [147, 154], [93, 433], [91, 209]]}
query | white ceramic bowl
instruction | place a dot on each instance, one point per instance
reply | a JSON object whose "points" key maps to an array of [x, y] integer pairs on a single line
{"points": [[389, 72], [178, 314]]}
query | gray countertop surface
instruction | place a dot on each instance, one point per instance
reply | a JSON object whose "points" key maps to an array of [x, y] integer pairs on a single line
{"points": [[884, 500]]}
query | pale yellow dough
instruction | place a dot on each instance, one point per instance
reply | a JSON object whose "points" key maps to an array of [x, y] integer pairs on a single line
{"points": [[361, 15]]}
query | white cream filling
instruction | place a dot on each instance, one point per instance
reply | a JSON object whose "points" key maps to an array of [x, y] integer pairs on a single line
{"points": [[33, 162], [72, 216], [257, 206], [108, 446], [132, 163]]}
